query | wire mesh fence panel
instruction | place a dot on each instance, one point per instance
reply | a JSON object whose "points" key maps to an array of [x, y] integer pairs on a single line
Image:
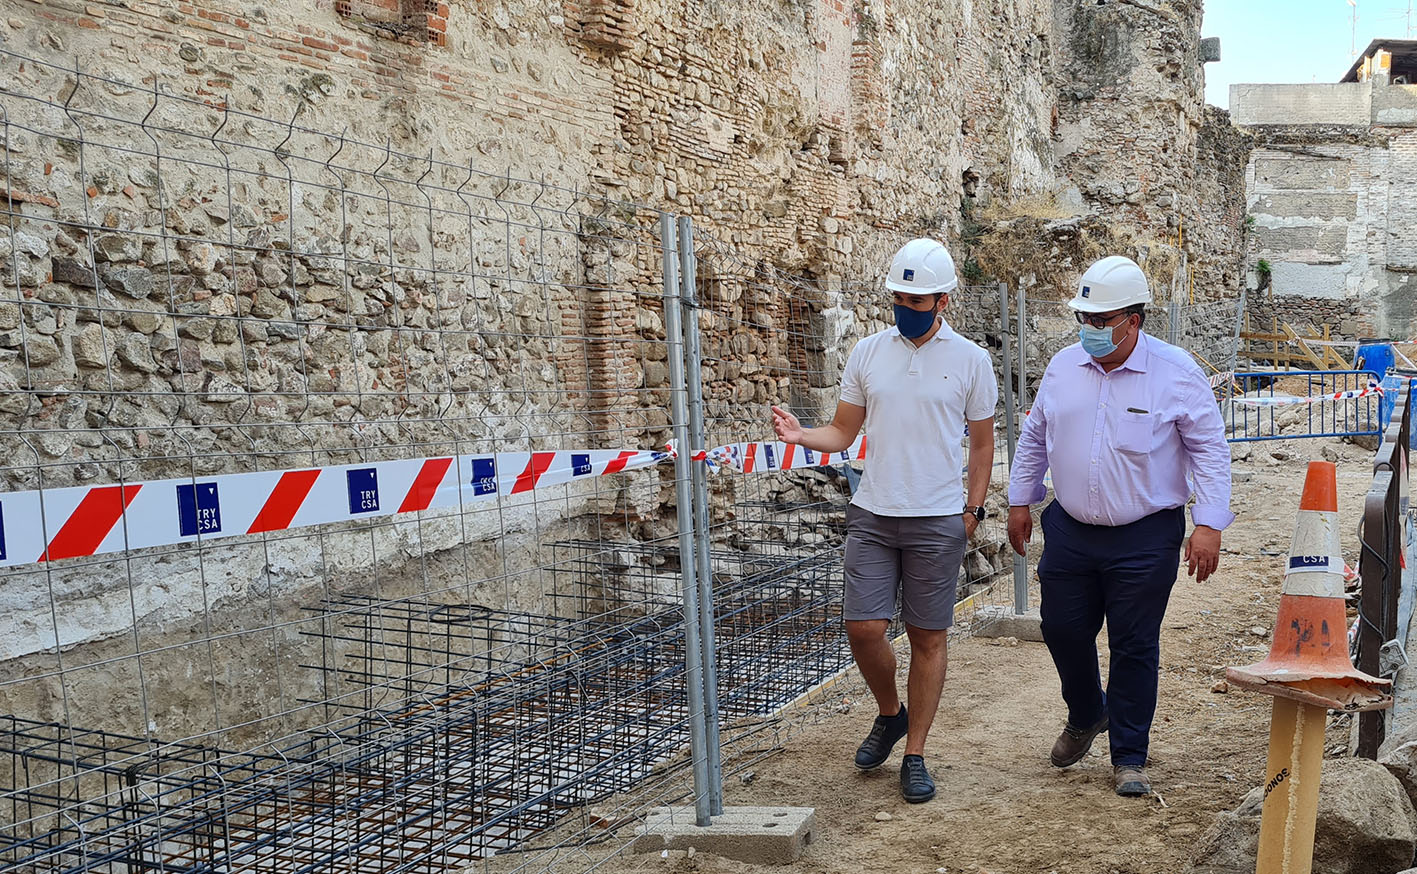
{"points": [[1210, 332], [335, 526], [778, 528]]}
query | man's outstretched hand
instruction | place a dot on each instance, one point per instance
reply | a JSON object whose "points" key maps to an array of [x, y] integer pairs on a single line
{"points": [[788, 429]]}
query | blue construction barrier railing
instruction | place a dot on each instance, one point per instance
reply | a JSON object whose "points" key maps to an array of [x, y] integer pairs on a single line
{"points": [[1292, 404]]}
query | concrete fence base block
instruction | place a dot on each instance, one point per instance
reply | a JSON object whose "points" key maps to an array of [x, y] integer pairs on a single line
{"points": [[757, 835], [1001, 621]]}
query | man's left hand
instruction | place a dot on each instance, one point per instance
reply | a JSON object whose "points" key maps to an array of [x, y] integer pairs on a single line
{"points": [[1202, 552], [971, 522]]}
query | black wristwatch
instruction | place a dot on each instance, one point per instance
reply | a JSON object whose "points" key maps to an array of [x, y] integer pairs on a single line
{"points": [[976, 512]]}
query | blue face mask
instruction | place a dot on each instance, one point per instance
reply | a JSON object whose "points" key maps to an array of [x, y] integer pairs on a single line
{"points": [[913, 323], [1096, 342]]}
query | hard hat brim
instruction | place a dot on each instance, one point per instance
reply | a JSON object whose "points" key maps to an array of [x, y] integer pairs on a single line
{"points": [[1083, 305], [892, 285]]}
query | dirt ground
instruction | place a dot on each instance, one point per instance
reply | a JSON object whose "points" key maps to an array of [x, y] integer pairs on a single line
{"points": [[1001, 808]]}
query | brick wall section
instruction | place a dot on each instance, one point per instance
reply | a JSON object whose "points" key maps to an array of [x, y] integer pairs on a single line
{"points": [[605, 24]]}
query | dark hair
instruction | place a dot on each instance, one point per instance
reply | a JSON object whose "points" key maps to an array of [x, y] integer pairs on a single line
{"points": [[1138, 309]]}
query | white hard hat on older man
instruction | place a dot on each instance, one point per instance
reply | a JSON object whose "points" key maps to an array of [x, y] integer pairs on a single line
{"points": [[1114, 283]]}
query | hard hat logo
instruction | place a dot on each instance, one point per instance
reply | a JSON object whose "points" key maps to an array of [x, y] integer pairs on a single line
{"points": [[1114, 283], [922, 266]]}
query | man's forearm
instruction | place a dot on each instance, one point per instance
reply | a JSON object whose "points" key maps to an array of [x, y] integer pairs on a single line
{"points": [[981, 465], [828, 438], [981, 462]]}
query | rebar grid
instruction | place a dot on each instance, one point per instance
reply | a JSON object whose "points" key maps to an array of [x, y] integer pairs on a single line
{"points": [[226, 292], [188, 289]]}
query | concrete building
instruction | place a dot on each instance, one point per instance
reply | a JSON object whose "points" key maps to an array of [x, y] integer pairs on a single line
{"points": [[1331, 195]]}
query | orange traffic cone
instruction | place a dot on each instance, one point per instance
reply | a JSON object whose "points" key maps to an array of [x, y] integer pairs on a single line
{"points": [[1308, 658]]}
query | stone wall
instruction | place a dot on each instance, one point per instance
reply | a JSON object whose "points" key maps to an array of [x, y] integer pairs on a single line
{"points": [[1331, 204], [1330, 209], [1347, 103], [378, 228]]}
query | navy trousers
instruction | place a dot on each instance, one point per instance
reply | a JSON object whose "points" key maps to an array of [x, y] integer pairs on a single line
{"points": [[1123, 574]]}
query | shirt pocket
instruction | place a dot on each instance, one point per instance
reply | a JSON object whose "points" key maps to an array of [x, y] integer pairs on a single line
{"points": [[1134, 433]]}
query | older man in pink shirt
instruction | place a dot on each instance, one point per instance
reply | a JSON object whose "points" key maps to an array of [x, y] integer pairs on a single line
{"points": [[1130, 430]]}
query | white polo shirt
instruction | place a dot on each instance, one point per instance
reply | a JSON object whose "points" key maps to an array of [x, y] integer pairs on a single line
{"points": [[917, 402]]}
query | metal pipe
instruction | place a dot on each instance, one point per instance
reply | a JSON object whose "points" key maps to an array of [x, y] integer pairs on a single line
{"points": [[1021, 562], [683, 500], [1008, 371], [688, 280]]}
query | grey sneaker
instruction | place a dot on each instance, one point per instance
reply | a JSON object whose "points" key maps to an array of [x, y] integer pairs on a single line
{"points": [[1131, 782]]}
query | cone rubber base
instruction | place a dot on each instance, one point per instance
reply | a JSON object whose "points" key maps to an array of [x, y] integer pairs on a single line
{"points": [[1350, 693]]}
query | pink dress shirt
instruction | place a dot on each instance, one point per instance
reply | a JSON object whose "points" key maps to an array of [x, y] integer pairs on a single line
{"points": [[1125, 444]]}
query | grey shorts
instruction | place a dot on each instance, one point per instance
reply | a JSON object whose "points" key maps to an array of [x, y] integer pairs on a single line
{"points": [[917, 555]]}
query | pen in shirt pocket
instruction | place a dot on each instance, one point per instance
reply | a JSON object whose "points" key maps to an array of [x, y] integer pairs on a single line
{"points": [[1135, 410]]}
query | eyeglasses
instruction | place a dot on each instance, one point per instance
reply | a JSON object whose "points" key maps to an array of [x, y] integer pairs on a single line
{"points": [[1100, 320]]}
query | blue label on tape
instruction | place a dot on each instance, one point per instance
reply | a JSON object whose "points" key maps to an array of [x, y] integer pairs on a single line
{"points": [[3, 554], [198, 509], [363, 489], [484, 476], [769, 455], [1308, 562], [808, 456], [580, 464]]}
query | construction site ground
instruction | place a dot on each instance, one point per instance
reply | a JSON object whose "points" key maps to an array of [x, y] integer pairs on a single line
{"points": [[1001, 808]]}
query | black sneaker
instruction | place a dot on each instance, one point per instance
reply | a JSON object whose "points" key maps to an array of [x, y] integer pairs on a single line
{"points": [[915, 783], [886, 731]]}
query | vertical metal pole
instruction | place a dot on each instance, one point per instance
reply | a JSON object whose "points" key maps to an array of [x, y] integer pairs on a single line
{"points": [[1239, 325], [688, 284], [1008, 370], [1021, 562], [683, 499], [1174, 334]]}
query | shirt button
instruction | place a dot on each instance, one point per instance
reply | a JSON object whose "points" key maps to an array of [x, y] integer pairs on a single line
{"points": [[1094, 461]]}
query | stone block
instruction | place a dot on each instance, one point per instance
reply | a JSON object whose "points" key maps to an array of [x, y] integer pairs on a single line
{"points": [[1366, 825], [756, 835], [1000, 621], [1309, 205]]}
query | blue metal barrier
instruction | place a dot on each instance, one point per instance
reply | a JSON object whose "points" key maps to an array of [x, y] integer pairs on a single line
{"points": [[1393, 382], [1291, 404]]}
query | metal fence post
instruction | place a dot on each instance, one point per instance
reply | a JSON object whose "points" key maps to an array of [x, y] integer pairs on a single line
{"points": [[702, 523], [1239, 325], [1021, 562], [683, 499], [1008, 370], [1173, 335]]}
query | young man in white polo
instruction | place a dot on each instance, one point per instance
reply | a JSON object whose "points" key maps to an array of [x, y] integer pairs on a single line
{"points": [[913, 387]]}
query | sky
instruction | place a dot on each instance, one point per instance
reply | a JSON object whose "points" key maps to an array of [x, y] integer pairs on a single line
{"points": [[1266, 41]]}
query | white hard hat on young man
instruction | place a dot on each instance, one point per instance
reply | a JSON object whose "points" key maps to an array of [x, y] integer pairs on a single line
{"points": [[922, 266], [1114, 283]]}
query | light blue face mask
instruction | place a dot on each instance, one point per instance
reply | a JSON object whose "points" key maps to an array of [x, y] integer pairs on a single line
{"points": [[1096, 342]]}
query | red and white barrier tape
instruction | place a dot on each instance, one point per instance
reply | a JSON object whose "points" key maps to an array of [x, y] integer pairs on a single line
{"points": [[766, 456], [53, 524], [1372, 388], [90, 520]]}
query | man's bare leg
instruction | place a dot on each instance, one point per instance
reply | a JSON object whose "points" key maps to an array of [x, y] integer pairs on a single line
{"points": [[876, 661], [929, 658]]}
